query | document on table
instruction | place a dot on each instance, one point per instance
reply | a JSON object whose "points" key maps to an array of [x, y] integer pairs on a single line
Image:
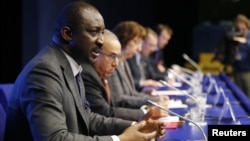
{"points": [[176, 104], [169, 92], [170, 121]]}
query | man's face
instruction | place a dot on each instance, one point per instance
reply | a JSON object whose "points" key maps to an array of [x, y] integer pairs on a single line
{"points": [[163, 39], [109, 58], [149, 45], [88, 38]]}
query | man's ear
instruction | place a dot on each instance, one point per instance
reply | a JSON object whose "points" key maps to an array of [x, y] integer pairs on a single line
{"points": [[66, 33]]}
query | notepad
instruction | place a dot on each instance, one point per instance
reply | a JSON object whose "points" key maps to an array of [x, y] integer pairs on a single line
{"points": [[169, 92], [170, 121], [177, 84], [176, 104]]}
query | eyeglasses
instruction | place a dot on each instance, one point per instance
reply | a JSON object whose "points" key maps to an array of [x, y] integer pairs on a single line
{"points": [[150, 45], [112, 57]]}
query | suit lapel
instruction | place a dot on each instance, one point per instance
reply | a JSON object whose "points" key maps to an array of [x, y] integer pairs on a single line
{"points": [[130, 78], [125, 81], [89, 69], [72, 86]]}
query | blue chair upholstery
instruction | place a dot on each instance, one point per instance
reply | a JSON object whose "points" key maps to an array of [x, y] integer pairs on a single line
{"points": [[5, 90], [3, 100], [2, 122]]}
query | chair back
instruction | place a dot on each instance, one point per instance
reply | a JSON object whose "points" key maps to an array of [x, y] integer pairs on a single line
{"points": [[2, 122]]}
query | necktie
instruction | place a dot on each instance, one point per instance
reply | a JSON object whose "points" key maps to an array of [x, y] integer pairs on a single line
{"points": [[81, 90], [107, 89], [157, 56]]}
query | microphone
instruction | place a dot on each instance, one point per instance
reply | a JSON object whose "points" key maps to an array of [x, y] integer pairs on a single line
{"points": [[186, 57], [181, 78], [171, 112], [188, 95], [192, 62], [182, 69], [187, 70]]}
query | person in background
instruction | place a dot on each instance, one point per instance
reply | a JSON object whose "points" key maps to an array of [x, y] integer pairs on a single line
{"points": [[131, 35], [141, 65], [165, 34], [241, 65], [48, 99], [98, 94]]}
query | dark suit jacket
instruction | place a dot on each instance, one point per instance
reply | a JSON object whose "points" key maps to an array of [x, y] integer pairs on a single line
{"points": [[149, 71], [120, 86], [97, 97], [45, 105], [157, 57]]}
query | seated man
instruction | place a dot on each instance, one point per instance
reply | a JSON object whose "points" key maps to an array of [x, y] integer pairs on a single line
{"points": [[98, 94], [48, 100], [165, 34]]}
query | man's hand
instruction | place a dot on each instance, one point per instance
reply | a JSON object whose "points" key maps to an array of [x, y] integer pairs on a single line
{"points": [[143, 131], [240, 39], [150, 82], [153, 125]]}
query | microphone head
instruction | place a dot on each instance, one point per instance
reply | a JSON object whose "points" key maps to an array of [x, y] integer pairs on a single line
{"points": [[176, 68], [185, 56]]}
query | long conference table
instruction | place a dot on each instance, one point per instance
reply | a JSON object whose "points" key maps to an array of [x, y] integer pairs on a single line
{"points": [[189, 132], [240, 105]]}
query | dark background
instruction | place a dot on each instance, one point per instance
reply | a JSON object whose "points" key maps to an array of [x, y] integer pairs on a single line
{"points": [[27, 25]]}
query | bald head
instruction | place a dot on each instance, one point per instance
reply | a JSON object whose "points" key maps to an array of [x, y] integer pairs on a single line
{"points": [[110, 40]]}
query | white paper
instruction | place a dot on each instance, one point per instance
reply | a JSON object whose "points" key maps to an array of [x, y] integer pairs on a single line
{"points": [[169, 119], [169, 92], [176, 104], [177, 84]]}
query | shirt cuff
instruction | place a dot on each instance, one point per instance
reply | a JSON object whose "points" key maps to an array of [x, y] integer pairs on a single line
{"points": [[115, 138], [133, 123], [144, 109]]}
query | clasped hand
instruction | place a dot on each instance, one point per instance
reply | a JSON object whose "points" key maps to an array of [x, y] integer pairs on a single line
{"points": [[145, 130]]}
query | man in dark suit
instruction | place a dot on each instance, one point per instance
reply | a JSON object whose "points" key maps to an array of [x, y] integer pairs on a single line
{"points": [[165, 34], [95, 76], [46, 102]]}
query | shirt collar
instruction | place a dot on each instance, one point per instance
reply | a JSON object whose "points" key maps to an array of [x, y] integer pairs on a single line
{"points": [[76, 68], [138, 57]]}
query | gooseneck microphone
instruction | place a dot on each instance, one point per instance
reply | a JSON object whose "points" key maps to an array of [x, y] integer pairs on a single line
{"points": [[184, 70], [188, 95], [200, 73], [181, 78], [187, 58], [187, 70], [171, 112]]}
